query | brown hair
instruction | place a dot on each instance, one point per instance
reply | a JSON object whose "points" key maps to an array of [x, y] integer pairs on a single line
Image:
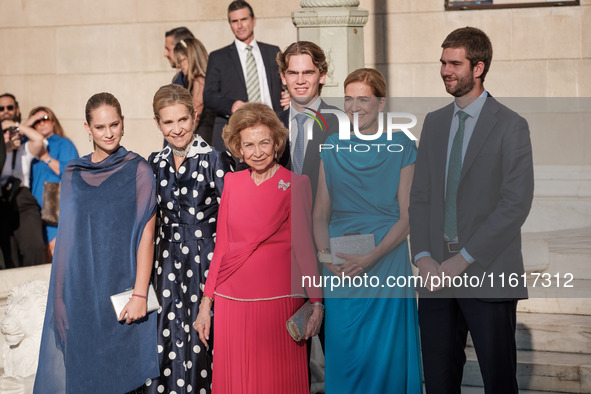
{"points": [[57, 127], [238, 5], [371, 77], [476, 44], [169, 95], [303, 48], [98, 100], [250, 115], [179, 33], [196, 55]]}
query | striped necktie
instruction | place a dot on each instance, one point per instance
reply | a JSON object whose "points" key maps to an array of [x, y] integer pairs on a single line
{"points": [[252, 77], [454, 170]]}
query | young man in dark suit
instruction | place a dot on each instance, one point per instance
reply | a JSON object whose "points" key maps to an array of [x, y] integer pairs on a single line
{"points": [[471, 193], [243, 71], [303, 68]]}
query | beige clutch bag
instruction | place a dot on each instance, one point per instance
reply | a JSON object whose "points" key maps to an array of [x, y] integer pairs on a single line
{"points": [[296, 325], [119, 300]]}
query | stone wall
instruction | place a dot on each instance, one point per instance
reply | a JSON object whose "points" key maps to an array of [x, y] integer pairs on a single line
{"points": [[59, 53], [538, 52]]}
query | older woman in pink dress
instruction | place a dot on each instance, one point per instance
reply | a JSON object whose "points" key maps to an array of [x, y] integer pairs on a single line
{"points": [[256, 273]]}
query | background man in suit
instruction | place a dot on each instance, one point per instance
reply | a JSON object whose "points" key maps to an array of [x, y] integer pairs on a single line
{"points": [[171, 38], [243, 71], [472, 191], [303, 68]]}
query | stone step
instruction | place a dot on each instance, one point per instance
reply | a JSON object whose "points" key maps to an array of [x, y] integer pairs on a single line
{"points": [[564, 252], [552, 333], [569, 306], [543, 371], [480, 390], [575, 263]]}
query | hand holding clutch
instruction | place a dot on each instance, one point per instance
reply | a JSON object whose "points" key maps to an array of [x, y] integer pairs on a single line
{"points": [[305, 323]]}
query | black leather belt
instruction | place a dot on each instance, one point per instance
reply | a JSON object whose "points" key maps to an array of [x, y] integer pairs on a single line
{"points": [[452, 247]]}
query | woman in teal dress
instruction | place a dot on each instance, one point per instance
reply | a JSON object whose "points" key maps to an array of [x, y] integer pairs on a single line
{"points": [[372, 339]]}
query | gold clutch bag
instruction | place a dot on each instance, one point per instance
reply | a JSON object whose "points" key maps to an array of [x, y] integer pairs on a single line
{"points": [[119, 300], [50, 212], [296, 325]]}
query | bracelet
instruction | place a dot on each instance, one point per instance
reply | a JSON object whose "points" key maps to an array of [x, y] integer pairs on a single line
{"points": [[207, 297], [140, 296], [320, 304]]}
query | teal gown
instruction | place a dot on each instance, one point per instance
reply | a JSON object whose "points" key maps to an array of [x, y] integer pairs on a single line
{"points": [[372, 335]]}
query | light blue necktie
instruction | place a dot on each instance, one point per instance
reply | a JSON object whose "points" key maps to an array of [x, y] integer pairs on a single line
{"points": [[298, 149], [454, 170]]}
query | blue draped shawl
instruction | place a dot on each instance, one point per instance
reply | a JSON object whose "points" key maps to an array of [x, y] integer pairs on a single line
{"points": [[104, 209]]}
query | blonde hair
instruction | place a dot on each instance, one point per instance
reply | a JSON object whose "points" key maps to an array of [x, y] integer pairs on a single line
{"points": [[197, 57], [169, 95]]}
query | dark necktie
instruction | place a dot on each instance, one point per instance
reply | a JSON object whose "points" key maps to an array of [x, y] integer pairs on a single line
{"points": [[298, 148], [454, 170]]}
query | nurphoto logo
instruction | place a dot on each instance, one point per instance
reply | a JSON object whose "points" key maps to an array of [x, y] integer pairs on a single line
{"points": [[393, 124]]}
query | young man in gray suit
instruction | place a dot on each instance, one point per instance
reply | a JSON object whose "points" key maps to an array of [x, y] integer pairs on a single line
{"points": [[244, 71], [472, 191]]}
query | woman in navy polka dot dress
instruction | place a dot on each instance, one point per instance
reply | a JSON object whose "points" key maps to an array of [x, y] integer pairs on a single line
{"points": [[189, 181]]}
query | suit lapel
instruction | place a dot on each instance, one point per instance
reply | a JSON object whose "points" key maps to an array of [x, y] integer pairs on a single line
{"points": [[486, 122], [440, 155], [235, 61], [319, 135], [265, 56]]}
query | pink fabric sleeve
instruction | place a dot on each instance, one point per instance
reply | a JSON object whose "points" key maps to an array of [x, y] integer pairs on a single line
{"points": [[301, 234], [221, 243]]}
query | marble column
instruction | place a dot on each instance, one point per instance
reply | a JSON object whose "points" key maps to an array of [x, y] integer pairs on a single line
{"points": [[337, 27]]}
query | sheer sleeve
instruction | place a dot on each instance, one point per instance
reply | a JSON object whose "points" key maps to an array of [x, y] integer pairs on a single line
{"points": [[221, 243], [301, 236], [145, 193]]}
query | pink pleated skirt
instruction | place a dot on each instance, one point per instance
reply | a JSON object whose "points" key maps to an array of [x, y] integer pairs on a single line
{"points": [[253, 352]]}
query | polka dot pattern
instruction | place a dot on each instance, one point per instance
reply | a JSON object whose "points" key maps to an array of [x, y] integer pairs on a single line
{"points": [[189, 198]]}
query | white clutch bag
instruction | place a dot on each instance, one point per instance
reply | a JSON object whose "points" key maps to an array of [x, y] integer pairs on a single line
{"points": [[119, 300], [351, 244]]}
